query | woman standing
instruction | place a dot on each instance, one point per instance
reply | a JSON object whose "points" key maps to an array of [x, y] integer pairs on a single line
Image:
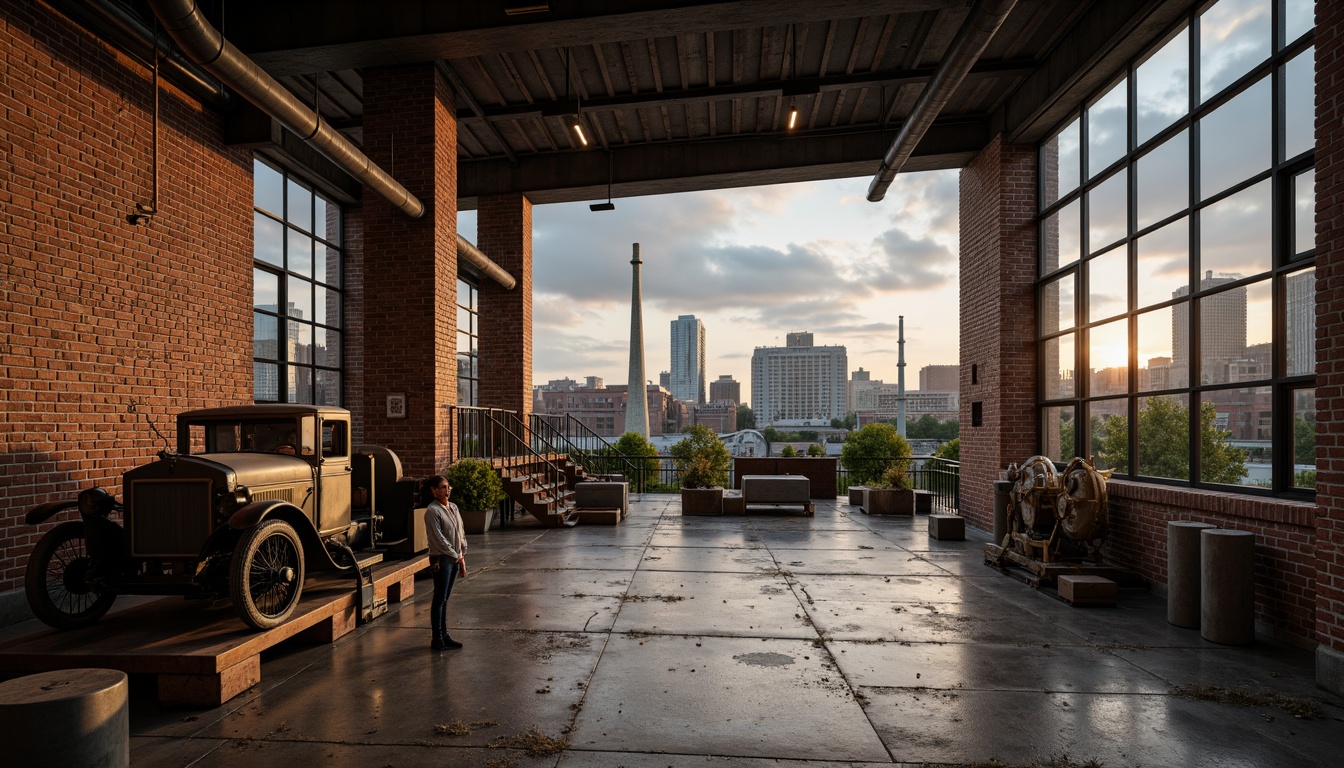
{"points": [[447, 556]]}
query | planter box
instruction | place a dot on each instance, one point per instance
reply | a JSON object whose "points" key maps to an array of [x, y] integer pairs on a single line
{"points": [[477, 520], [889, 501], [856, 495], [702, 501]]}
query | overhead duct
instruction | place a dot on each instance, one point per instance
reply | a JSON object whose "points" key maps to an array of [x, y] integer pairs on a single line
{"points": [[465, 250], [185, 23], [984, 20]]}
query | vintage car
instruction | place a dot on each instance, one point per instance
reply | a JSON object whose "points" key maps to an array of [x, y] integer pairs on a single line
{"points": [[253, 498]]}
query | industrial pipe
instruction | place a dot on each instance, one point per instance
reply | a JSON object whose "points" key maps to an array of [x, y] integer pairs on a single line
{"points": [[465, 250], [984, 20], [187, 25]]}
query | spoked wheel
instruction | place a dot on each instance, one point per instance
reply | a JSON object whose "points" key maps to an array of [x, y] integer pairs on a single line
{"points": [[266, 574], [57, 580]]}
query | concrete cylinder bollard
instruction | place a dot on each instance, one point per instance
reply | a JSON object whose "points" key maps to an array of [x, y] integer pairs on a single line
{"points": [[1002, 488], [1183, 574], [1227, 586], [67, 717]]}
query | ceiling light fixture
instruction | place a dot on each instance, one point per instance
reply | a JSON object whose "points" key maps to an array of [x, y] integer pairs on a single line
{"points": [[607, 206], [523, 10], [793, 114], [577, 125]]}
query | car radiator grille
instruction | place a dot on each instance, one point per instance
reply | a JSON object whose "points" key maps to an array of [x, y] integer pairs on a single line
{"points": [[169, 518]]}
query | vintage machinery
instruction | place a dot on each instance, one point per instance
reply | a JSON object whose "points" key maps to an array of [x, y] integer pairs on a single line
{"points": [[252, 499], [1056, 515]]}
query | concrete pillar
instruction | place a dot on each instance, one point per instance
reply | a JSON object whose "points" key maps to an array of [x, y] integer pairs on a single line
{"points": [[1227, 587], [504, 233], [410, 266], [998, 320], [66, 718], [1183, 572]]}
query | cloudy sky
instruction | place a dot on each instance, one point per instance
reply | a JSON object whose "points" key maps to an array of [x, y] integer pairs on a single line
{"points": [[753, 264]]}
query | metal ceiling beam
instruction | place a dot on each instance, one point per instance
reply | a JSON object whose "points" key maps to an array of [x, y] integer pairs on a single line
{"points": [[797, 86], [304, 36], [662, 168]]}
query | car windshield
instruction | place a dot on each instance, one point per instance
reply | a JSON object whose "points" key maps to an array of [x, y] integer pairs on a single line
{"points": [[291, 437]]}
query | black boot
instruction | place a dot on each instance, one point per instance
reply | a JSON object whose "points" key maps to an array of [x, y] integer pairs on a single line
{"points": [[446, 643]]}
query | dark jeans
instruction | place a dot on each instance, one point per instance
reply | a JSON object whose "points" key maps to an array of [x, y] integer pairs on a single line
{"points": [[444, 579]]}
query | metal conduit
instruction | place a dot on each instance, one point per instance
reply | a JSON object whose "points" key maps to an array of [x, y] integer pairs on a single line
{"points": [[985, 19], [185, 23], [490, 269]]}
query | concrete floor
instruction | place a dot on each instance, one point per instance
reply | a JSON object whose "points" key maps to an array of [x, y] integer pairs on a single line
{"points": [[766, 640]]}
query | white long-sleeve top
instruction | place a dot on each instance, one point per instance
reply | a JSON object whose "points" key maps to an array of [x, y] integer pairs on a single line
{"points": [[443, 528]]}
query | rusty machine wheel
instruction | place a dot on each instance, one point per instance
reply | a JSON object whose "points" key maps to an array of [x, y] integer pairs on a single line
{"points": [[1082, 507], [1035, 478]]}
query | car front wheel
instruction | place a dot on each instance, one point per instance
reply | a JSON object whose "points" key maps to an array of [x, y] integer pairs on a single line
{"points": [[58, 580], [266, 574]]}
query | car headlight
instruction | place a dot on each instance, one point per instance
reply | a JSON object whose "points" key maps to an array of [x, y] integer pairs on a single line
{"points": [[95, 502], [227, 503]]}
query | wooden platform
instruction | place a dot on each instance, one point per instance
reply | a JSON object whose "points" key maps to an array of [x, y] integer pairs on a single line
{"points": [[203, 656], [1037, 574]]}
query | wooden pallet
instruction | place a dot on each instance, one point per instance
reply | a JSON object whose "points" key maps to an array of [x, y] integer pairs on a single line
{"points": [[1037, 574], [203, 656]]}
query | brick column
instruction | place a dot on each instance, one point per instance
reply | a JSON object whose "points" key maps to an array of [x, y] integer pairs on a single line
{"points": [[504, 233], [410, 265], [1329, 353], [998, 320]]}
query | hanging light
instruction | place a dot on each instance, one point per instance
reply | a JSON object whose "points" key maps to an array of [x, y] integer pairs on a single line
{"points": [[577, 125], [793, 114]]}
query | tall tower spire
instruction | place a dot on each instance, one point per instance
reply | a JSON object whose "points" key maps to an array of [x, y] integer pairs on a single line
{"points": [[900, 377], [636, 395]]}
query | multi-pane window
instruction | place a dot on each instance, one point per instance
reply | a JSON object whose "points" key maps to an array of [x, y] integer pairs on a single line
{"points": [[1177, 291], [468, 347], [296, 293]]}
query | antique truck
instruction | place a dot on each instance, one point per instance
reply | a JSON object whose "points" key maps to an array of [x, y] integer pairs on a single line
{"points": [[253, 499]]}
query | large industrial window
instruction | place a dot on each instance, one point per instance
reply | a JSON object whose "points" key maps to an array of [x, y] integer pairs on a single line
{"points": [[468, 337], [296, 291], [1177, 293]]}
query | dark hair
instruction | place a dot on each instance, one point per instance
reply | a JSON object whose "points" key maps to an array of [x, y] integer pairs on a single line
{"points": [[427, 488]]}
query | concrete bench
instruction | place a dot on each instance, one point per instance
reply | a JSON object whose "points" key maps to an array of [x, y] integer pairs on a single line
{"points": [[602, 496], [777, 490]]}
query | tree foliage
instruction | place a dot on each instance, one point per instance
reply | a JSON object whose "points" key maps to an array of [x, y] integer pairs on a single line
{"points": [[701, 459], [951, 450], [638, 451], [816, 449], [927, 427], [1164, 443], [869, 452], [746, 418], [1304, 440], [788, 452]]}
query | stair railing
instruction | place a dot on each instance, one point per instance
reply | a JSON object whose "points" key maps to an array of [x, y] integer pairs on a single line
{"points": [[605, 460], [500, 437]]}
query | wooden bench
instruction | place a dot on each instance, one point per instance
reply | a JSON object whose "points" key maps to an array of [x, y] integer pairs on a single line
{"points": [[777, 490]]}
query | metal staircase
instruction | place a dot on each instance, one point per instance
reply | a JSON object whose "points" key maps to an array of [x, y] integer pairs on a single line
{"points": [[536, 479]]}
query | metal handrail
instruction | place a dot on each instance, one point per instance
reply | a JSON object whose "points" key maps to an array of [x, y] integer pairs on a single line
{"points": [[601, 461], [486, 433]]}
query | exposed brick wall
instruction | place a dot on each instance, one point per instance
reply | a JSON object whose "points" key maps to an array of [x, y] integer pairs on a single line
{"points": [[97, 314], [998, 319], [1330, 323], [504, 233], [410, 265]]}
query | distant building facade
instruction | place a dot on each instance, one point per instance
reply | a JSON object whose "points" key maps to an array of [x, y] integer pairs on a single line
{"points": [[602, 409], [687, 381], [718, 415], [939, 378], [799, 384], [725, 388]]}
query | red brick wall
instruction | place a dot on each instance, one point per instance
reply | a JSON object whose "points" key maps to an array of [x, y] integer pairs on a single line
{"points": [[1285, 565], [410, 265], [1330, 323], [998, 320], [97, 314], [504, 233]]}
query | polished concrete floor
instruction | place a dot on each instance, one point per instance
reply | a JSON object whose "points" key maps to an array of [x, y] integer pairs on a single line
{"points": [[771, 639]]}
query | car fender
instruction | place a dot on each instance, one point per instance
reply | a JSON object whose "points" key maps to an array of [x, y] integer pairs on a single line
{"points": [[314, 551], [44, 512]]}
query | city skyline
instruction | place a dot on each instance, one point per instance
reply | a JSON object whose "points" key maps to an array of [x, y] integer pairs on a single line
{"points": [[753, 265]]}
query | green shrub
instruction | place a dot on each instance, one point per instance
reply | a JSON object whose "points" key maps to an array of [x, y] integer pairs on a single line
{"points": [[476, 485], [868, 453], [894, 477], [951, 450], [788, 452], [701, 459]]}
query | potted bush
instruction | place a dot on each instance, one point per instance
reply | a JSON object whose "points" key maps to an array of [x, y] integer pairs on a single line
{"points": [[891, 494], [477, 491], [702, 462]]}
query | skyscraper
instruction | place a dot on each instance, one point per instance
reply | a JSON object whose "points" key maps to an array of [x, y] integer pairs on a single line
{"points": [[688, 360], [798, 384]]}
